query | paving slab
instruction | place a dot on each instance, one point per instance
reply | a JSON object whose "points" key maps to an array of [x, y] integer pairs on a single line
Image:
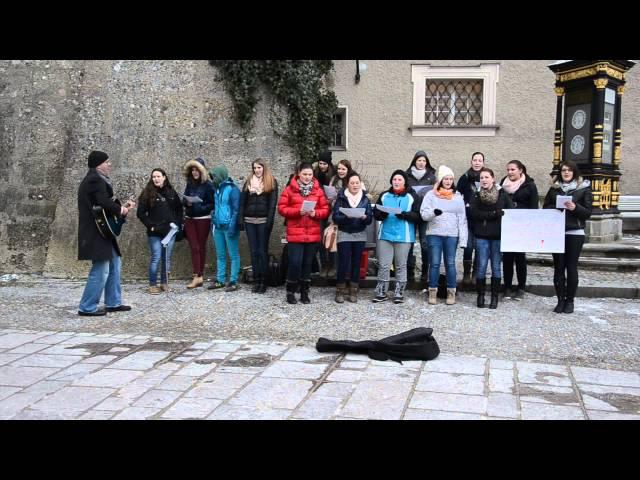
{"points": [[54, 361], [237, 412], [451, 383], [157, 399], [288, 369], [24, 376], [277, 393], [463, 365], [450, 402], [606, 377], [136, 413], [542, 411], [555, 375], [414, 414], [379, 400], [108, 377], [318, 408], [191, 408], [140, 360], [73, 399]]}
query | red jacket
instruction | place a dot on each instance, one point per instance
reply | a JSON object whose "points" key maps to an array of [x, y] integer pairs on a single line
{"points": [[302, 229]]}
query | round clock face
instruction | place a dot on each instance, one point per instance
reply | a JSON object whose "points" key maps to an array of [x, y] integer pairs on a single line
{"points": [[577, 144], [578, 119]]}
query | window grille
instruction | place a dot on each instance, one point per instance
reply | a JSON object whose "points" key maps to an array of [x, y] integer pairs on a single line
{"points": [[453, 102]]}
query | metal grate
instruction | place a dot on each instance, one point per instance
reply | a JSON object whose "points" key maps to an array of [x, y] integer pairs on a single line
{"points": [[339, 129], [453, 102]]}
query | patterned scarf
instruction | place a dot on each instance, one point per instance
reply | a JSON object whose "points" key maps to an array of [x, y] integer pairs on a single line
{"points": [[512, 187], [256, 185], [305, 190], [354, 200], [489, 197]]}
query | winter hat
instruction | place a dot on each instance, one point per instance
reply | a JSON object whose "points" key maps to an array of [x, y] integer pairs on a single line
{"points": [[325, 156], [200, 160], [420, 153], [219, 174], [403, 174], [443, 171], [96, 158]]}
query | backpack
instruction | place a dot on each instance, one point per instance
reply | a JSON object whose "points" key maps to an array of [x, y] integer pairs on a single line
{"points": [[277, 269]]}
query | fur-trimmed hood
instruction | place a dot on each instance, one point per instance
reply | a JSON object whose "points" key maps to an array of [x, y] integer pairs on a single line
{"points": [[582, 183], [186, 170]]}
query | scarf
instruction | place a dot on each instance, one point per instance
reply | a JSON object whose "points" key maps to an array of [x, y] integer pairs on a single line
{"points": [[105, 178], [305, 190], [418, 174], [473, 176], [489, 197], [567, 187], [444, 193], [354, 200], [512, 187], [256, 185], [398, 192]]}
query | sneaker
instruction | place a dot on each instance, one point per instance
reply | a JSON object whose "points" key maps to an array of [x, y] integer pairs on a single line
{"points": [[519, 294], [232, 287], [215, 285], [154, 290]]}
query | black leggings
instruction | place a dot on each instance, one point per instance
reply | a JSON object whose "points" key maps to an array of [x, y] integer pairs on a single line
{"points": [[569, 261], [521, 269]]}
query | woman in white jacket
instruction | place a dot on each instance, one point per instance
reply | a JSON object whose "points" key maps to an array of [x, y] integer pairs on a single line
{"points": [[443, 208]]}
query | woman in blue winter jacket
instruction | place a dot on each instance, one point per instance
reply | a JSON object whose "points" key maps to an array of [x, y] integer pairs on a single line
{"points": [[351, 236]]}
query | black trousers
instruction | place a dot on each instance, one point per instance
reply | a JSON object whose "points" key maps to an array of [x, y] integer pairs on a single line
{"points": [[568, 261], [301, 257], [520, 259]]}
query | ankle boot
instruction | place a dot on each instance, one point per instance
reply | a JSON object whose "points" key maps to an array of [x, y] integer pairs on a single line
{"points": [[340, 288], [263, 287], [480, 287], [466, 277], [353, 293], [196, 281], [433, 296], [568, 305], [304, 292], [398, 294], [451, 296], [495, 291], [291, 293], [381, 292], [560, 292]]}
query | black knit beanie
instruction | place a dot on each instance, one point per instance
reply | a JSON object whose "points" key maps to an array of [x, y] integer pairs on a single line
{"points": [[96, 158]]}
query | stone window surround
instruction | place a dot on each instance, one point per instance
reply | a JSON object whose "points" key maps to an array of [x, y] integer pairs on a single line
{"points": [[488, 72]]}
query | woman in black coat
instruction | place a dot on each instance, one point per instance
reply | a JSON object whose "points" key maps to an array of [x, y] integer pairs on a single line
{"points": [[578, 210], [523, 194], [159, 207], [486, 208], [258, 202]]}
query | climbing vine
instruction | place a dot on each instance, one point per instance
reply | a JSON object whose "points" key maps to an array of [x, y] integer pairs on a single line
{"points": [[298, 85]]}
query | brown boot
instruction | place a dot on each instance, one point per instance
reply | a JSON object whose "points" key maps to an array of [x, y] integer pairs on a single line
{"points": [[433, 296], [353, 293], [340, 288], [197, 281], [164, 287], [451, 296], [154, 290]]}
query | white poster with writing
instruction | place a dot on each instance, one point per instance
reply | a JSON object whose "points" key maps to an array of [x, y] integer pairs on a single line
{"points": [[532, 230]]}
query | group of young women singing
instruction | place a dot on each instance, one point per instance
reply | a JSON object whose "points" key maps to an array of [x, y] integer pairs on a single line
{"points": [[421, 202]]}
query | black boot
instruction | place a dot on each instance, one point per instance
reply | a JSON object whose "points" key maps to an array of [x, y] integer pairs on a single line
{"points": [[495, 290], [466, 276], [256, 286], [568, 305], [480, 286], [560, 292], [291, 293], [263, 287], [304, 292]]}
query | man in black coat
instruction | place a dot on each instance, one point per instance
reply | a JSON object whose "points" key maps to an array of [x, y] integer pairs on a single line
{"points": [[96, 190]]}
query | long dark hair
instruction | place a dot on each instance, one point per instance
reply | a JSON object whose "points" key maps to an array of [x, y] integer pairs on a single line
{"points": [[518, 164], [149, 194]]}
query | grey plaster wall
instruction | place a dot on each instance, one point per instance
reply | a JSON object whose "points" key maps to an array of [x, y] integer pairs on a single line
{"points": [[380, 112], [144, 114]]}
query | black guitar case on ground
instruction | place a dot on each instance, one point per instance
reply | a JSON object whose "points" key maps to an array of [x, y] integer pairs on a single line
{"points": [[415, 344]]}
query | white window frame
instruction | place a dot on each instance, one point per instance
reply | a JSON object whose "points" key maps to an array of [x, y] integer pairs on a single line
{"points": [[345, 122], [487, 72]]}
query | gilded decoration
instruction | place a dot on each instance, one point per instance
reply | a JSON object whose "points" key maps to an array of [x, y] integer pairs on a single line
{"points": [[597, 149], [559, 91], [605, 194], [601, 83]]}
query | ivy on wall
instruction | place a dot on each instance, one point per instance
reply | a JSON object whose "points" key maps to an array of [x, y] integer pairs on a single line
{"points": [[298, 85]]}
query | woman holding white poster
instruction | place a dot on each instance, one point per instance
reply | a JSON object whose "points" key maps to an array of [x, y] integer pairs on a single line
{"points": [[352, 236], [578, 209], [523, 194], [486, 208], [443, 208]]}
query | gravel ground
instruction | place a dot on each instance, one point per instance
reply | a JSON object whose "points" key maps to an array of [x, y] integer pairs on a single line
{"points": [[602, 333]]}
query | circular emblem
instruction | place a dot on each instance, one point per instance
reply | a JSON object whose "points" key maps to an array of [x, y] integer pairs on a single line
{"points": [[578, 119], [577, 144]]}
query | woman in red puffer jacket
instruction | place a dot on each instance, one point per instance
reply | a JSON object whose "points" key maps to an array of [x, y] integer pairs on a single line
{"points": [[303, 229]]}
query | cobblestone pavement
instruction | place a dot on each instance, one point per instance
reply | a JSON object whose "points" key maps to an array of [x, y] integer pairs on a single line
{"points": [[68, 375]]}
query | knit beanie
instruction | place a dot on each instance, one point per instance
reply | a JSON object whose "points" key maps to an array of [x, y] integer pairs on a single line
{"points": [[218, 175], [401, 173], [325, 156], [443, 171], [200, 160], [96, 158]]}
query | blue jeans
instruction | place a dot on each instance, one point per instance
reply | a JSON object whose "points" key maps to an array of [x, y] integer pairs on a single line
{"points": [[349, 255], [468, 251], [160, 259], [223, 243], [487, 250], [104, 276], [258, 237], [437, 246], [300, 257]]}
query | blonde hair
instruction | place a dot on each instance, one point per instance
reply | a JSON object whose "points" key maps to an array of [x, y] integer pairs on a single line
{"points": [[267, 178]]}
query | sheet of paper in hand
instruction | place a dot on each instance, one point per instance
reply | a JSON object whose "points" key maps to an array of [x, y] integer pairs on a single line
{"points": [[167, 238], [352, 212], [330, 192], [422, 190], [382, 208], [450, 206], [308, 205], [192, 199], [560, 199], [532, 230]]}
